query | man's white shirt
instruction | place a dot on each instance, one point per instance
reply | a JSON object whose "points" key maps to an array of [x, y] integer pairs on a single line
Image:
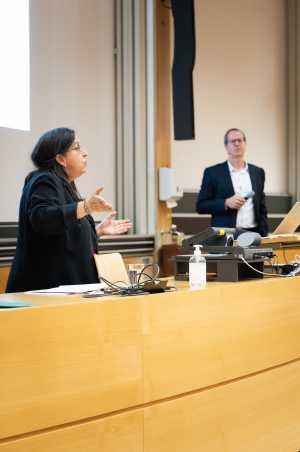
{"points": [[242, 185]]}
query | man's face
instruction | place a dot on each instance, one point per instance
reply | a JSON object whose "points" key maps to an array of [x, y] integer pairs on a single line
{"points": [[236, 145]]}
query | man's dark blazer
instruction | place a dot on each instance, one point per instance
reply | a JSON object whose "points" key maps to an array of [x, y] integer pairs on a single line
{"points": [[217, 186]]}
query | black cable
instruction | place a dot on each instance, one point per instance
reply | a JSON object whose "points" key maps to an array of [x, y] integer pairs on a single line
{"points": [[262, 273], [150, 278], [115, 288]]}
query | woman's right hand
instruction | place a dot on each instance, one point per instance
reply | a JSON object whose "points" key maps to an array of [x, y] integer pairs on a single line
{"points": [[96, 203]]}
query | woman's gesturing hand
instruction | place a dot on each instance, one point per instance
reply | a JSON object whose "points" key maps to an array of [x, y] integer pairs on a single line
{"points": [[96, 203], [111, 226]]}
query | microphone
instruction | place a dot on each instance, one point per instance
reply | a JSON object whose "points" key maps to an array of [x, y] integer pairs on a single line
{"points": [[249, 195], [249, 238]]}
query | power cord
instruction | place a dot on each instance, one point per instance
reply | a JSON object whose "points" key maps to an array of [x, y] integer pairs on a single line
{"points": [[292, 273], [122, 288], [154, 278]]}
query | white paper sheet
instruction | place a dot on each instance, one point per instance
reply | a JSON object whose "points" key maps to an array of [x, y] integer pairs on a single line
{"points": [[71, 289]]}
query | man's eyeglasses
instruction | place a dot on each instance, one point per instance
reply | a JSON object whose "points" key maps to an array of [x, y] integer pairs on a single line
{"points": [[236, 140]]}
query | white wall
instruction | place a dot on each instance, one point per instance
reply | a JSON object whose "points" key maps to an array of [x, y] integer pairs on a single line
{"points": [[239, 81], [72, 84]]}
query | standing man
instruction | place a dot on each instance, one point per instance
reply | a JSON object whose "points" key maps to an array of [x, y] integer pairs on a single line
{"points": [[233, 191]]}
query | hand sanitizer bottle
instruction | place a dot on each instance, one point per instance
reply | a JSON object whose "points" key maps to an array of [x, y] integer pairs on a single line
{"points": [[197, 270]]}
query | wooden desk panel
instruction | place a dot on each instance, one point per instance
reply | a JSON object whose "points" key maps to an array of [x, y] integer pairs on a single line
{"points": [[257, 414], [120, 433], [260, 413], [68, 359], [64, 363], [196, 339]]}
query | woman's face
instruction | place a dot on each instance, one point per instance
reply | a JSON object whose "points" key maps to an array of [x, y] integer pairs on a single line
{"points": [[74, 161]]}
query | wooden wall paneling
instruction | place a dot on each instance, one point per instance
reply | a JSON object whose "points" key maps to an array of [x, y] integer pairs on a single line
{"points": [[163, 107]]}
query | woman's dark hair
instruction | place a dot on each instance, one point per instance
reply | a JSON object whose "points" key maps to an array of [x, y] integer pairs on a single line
{"points": [[53, 142]]}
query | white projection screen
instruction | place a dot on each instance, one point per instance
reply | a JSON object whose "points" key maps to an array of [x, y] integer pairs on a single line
{"points": [[72, 84], [15, 70]]}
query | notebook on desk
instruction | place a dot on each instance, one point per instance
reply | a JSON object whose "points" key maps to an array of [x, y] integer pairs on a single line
{"points": [[290, 222]]}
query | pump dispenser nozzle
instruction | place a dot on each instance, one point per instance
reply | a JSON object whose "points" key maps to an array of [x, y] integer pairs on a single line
{"points": [[197, 249]]}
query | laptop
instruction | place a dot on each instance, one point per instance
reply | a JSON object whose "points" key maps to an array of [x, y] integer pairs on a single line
{"points": [[112, 267], [290, 222]]}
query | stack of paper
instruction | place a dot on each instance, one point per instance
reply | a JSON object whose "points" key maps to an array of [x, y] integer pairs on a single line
{"points": [[71, 289]]}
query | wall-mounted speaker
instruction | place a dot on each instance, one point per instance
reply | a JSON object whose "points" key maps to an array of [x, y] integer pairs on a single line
{"points": [[182, 69]]}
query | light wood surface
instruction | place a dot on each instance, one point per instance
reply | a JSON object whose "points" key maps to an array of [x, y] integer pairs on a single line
{"points": [[67, 362], [286, 255], [4, 272], [113, 434], [257, 414], [164, 372], [281, 238], [235, 329], [286, 247]]}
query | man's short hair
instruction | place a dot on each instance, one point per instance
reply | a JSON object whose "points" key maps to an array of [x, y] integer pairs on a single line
{"points": [[233, 130]]}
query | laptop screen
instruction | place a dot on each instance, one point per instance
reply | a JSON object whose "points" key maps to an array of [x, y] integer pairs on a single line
{"points": [[290, 222]]}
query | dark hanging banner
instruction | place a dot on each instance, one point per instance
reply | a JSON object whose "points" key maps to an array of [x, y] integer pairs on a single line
{"points": [[182, 70]]}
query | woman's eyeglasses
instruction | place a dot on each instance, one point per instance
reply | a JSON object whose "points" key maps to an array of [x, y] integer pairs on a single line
{"points": [[76, 147]]}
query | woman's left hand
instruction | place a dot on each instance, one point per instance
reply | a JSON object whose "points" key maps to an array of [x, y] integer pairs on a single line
{"points": [[111, 226]]}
